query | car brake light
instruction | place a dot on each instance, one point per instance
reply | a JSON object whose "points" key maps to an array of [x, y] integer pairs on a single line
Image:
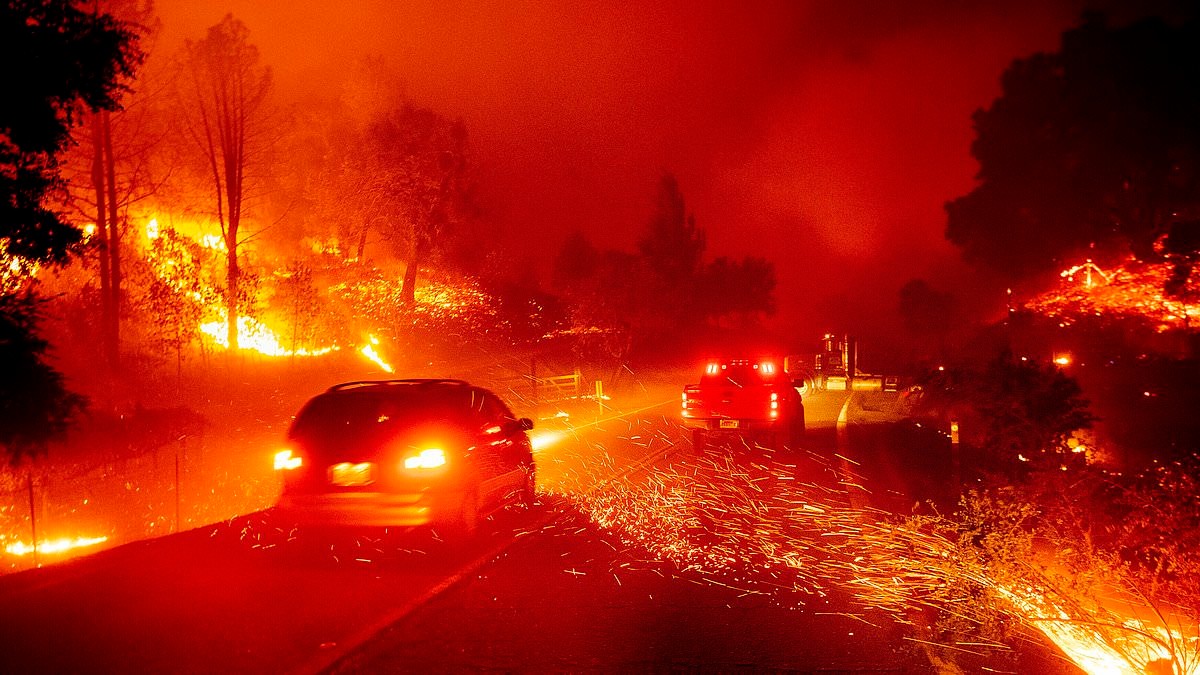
{"points": [[429, 458], [768, 367], [286, 460], [712, 368]]}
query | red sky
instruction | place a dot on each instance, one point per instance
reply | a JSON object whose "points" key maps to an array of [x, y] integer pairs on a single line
{"points": [[824, 135]]}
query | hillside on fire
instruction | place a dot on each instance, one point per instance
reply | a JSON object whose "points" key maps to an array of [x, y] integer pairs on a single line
{"points": [[877, 323]]}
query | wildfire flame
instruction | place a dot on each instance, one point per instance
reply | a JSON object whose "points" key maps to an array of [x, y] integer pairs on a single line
{"points": [[21, 548], [1131, 290], [368, 350], [254, 336]]}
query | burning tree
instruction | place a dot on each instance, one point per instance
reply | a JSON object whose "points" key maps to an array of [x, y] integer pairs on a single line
{"points": [[225, 112], [174, 291]]}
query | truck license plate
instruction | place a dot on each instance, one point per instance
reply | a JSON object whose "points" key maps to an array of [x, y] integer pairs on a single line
{"points": [[729, 424]]}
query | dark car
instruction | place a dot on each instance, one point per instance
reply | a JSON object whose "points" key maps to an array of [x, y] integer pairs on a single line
{"points": [[410, 452]]}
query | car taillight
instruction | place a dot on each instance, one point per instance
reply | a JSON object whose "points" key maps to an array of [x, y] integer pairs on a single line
{"points": [[287, 460], [429, 458]]}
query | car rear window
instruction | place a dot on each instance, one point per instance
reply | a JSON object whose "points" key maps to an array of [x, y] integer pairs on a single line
{"points": [[740, 375], [349, 418]]}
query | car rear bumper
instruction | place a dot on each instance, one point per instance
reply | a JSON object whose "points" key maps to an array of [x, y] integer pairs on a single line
{"points": [[370, 509], [741, 424]]}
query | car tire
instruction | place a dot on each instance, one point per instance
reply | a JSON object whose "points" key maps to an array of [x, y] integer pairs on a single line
{"points": [[796, 430], [699, 439], [527, 499], [466, 524]]}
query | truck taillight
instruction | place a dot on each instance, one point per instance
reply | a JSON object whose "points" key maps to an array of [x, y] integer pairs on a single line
{"points": [[774, 401]]}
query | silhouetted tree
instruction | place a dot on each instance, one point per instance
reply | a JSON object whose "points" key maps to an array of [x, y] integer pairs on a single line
{"points": [[672, 244], [927, 311], [70, 61], [35, 405], [59, 62], [737, 289], [224, 102], [116, 144], [302, 303], [1009, 407], [1094, 144], [576, 261], [421, 161]]}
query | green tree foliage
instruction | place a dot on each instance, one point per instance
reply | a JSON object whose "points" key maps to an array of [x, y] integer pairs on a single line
{"points": [[1094, 144], [1009, 408]]}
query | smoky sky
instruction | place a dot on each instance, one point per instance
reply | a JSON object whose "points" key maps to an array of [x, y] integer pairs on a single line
{"points": [[824, 135]]}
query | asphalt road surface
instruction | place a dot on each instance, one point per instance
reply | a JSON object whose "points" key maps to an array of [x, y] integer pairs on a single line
{"points": [[643, 555]]}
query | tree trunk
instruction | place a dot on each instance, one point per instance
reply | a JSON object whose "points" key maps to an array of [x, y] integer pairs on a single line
{"points": [[114, 247], [409, 287], [102, 234], [362, 241], [231, 296]]}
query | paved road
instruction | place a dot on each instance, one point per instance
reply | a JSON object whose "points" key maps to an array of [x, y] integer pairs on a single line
{"points": [[632, 562]]}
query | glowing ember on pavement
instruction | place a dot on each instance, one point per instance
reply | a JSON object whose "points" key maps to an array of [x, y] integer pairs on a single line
{"points": [[742, 518]]}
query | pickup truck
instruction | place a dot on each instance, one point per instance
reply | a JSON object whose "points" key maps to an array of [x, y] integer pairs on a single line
{"points": [[750, 398]]}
